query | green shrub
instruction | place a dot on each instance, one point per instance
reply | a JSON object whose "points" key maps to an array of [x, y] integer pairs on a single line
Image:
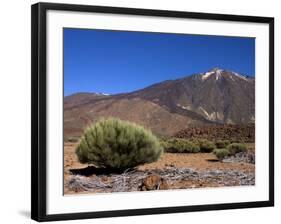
{"points": [[221, 144], [164, 143], [206, 146], [236, 148], [178, 145], [112, 143], [221, 153]]}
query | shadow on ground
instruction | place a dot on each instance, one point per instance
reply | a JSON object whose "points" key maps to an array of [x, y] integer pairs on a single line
{"points": [[213, 160], [90, 170]]}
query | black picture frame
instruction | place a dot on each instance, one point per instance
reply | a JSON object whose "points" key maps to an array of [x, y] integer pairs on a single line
{"points": [[38, 108]]}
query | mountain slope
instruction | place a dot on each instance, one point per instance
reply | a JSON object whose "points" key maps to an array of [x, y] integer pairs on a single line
{"points": [[217, 96], [146, 113]]}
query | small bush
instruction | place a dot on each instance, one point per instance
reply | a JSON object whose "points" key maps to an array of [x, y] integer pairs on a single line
{"points": [[221, 153], [236, 148], [177, 145], [112, 143], [164, 143], [206, 146], [221, 144]]}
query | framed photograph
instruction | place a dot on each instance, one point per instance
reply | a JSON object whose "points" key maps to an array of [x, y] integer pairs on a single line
{"points": [[139, 111]]}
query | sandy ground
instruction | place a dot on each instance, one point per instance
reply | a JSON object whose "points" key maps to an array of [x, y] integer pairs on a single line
{"points": [[201, 162]]}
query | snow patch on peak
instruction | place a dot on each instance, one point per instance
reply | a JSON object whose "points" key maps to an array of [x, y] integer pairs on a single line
{"points": [[188, 107], [217, 72], [207, 74], [240, 76], [103, 94], [231, 78]]}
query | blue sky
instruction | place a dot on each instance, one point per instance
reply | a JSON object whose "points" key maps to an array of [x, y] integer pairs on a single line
{"points": [[120, 61]]}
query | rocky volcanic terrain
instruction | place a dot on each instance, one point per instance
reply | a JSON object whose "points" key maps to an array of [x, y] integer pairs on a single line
{"points": [[215, 105], [171, 171], [215, 97], [231, 132]]}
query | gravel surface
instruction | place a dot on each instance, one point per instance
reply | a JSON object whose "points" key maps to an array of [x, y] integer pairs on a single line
{"points": [[241, 157], [169, 178], [171, 171]]}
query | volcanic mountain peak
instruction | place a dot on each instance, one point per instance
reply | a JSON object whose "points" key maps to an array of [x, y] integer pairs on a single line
{"points": [[215, 71], [218, 73], [217, 96]]}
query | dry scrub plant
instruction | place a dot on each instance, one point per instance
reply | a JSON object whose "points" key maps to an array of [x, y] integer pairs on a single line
{"points": [[116, 144]]}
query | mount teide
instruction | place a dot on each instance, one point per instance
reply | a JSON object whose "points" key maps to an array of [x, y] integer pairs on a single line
{"points": [[215, 97]]}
